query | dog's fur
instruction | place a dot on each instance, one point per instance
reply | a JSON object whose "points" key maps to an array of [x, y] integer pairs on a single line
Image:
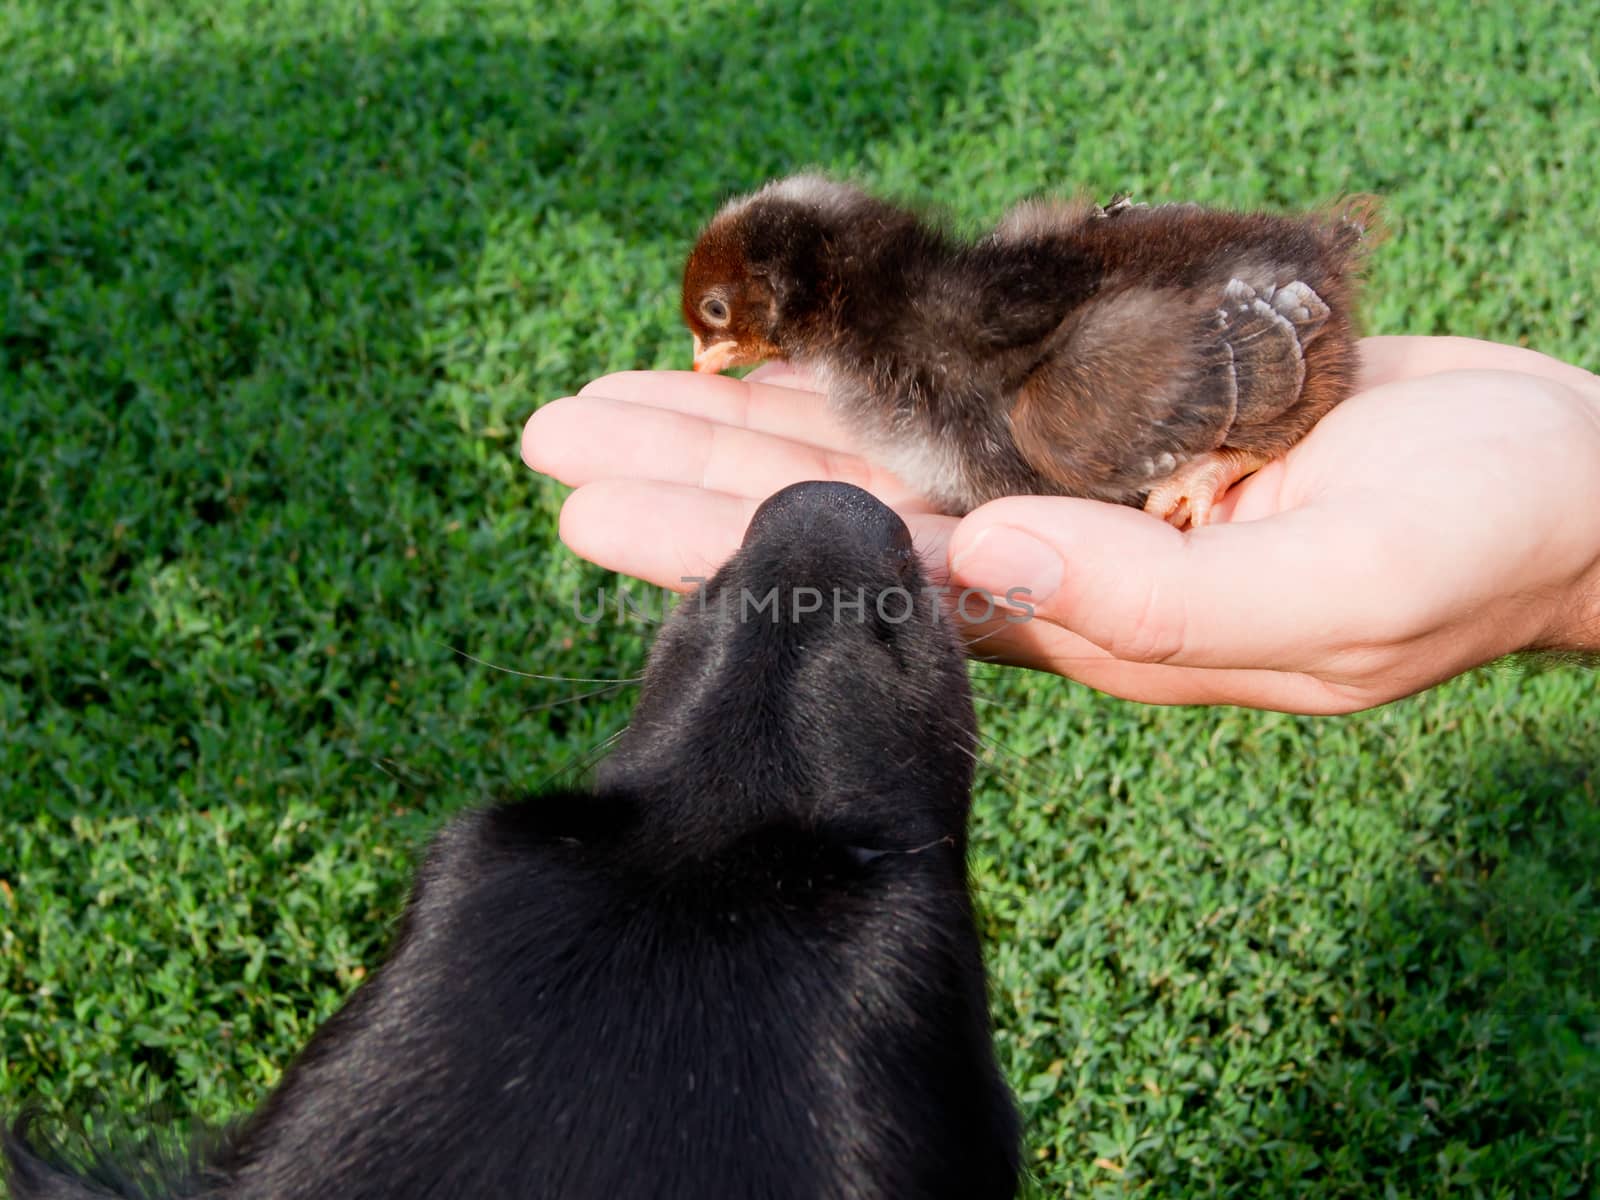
{"points": [[745, 966]]}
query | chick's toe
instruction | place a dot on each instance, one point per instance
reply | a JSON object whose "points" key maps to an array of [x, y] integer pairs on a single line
{"points": [[1187, 496]]}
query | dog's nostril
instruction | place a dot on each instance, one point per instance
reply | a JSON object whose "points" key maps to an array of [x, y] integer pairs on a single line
{"points": [[807, 510]]}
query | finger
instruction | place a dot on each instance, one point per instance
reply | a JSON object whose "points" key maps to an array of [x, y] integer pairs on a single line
{"points": [[584, 439], [1042, 646], [778, 373], [1021, 638], [672, 536], [669, 534], [665, 534], [786, 408], [1274, 594]]}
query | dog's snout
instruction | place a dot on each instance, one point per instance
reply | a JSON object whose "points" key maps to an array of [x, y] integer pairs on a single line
{"points": [[840, 511]]}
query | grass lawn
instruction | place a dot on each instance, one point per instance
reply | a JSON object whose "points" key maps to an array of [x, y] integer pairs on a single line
{"points": [[279, 284]]}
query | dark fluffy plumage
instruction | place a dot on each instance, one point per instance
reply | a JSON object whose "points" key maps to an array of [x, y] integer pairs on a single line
{"points": [[745, 966], [1119, 353]]}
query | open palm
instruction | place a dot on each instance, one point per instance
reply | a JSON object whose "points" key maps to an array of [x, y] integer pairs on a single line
{"points": [[1447, 514]]}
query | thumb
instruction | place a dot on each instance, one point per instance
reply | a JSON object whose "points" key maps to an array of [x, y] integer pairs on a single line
{"points": [[1245, 595]]}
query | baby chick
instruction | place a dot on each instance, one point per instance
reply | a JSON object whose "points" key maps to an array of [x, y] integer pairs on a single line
{"points": [[1142, 355]]}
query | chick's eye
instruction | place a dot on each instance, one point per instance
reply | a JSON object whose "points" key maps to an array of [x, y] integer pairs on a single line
{"points": [[714, 311]]}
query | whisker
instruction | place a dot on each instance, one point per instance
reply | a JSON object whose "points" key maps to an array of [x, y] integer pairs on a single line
{"points": [[1005, 751], [608, 690], [983, 637], [1009, 763], [987, 661], [532, 675], [581, 762], [977, 699], [400, 773], [1002, 673]]}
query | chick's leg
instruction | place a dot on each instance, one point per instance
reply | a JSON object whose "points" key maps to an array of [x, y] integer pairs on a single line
{"points": [[1187, 496]]}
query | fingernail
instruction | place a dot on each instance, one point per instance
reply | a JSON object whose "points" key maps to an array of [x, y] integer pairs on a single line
{"points": [[1002, 558]]}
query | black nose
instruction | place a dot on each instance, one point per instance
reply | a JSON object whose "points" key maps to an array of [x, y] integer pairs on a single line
{"points": [[839, 512]]}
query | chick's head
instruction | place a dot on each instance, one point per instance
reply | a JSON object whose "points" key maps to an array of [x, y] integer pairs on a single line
{"points": [[729, 303], [756, 283]]}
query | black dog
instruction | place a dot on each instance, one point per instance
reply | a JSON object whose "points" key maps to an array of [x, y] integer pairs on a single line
{"points": [[745, 967]]}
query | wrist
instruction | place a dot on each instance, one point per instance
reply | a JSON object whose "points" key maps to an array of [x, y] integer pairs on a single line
{"points": [[1575, 626]]}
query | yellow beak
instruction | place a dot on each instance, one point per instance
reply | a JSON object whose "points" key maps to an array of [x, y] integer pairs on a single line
{"points": [[716, 357]]}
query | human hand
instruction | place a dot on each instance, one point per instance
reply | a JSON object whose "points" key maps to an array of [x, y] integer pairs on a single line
{"points": [[1447, 514]]}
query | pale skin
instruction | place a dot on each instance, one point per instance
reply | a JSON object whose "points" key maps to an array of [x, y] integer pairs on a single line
{"points": [[1446, 515]]}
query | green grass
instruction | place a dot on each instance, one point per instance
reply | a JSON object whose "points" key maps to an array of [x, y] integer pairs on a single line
{"points": [[279, 283]]}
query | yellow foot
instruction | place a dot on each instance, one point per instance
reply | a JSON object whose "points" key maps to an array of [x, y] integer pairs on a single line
{"points": [[1188, 495]]}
